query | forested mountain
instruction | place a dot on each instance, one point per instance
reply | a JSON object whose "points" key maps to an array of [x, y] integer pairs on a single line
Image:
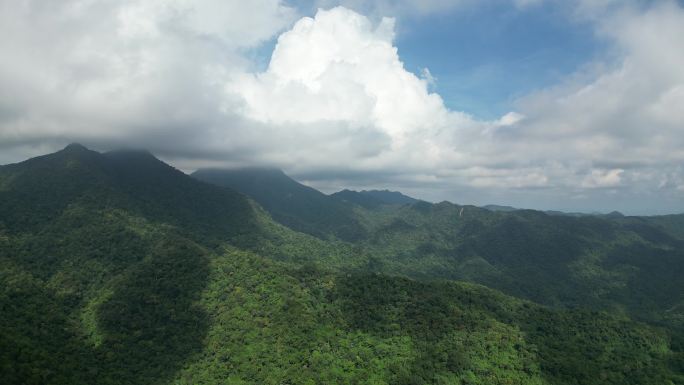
{"points": [[670, 224], [38, 191], [289, 202], [116, 268], [625, 264]]}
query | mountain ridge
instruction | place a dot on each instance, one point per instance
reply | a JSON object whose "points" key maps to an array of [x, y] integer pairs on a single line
{"points": [[289, 202], [374, 198]]}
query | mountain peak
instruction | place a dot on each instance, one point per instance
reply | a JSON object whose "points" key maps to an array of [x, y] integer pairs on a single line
{"points": [[289, 202], [75, 147]]}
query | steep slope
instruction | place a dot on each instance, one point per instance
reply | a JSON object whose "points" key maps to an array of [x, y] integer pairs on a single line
{"points": [[37, 191], [299, 207], [79, 190], [102, 260]]}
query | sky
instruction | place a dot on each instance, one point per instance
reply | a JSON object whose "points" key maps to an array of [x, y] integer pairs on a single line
{"points": [[573, 105]]}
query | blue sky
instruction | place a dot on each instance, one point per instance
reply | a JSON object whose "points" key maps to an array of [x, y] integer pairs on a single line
{"points": [[486, 57], [548, 104]]}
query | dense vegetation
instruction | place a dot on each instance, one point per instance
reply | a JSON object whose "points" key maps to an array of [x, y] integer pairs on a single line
{"points": [[117, 269], [297, 206], [628, 265]]}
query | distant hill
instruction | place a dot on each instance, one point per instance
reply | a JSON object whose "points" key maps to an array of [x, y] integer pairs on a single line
{"points": [[374, 198], [608, 261], [613, 214], [289, 202], [500, 208], [671, 224]]}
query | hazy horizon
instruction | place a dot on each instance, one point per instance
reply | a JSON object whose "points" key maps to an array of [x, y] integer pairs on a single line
{"points": [[419, 192]]}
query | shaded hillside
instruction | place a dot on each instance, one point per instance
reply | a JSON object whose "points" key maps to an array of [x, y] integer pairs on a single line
{"points": [[671, 224], [289, 202], [35, 192]]}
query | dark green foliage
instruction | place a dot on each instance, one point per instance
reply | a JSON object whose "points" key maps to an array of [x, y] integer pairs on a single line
{"points": [[103, 308], [592, 261], [670, 224], [273, 325], [289, 202], [150, 323], [582, 347], [36, 191], [37, 346]]}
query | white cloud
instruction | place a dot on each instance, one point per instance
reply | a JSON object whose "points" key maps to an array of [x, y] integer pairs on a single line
{"points": [[426, 75], [406, 8], [510, 119], [338, 66], [603, 178], [628, 113], [233, 23], [105, 69], [177, 76]]}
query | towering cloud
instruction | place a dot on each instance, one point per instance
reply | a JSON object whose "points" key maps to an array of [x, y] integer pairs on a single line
{"points": [[338, 66]]}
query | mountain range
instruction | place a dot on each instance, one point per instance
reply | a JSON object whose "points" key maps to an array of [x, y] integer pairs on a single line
{"points": [[116, 268]]}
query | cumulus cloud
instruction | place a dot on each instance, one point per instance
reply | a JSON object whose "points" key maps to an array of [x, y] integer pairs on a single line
{"points": [[93, 70], [338, 66], [397, 7], [335, 104], [335, 82], [603, 178]]}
